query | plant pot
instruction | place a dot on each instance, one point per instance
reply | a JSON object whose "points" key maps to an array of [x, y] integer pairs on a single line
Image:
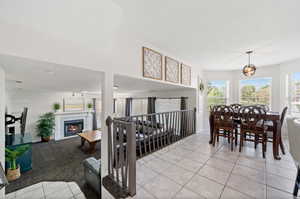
{"points": [[13, 174], [45, 139]]}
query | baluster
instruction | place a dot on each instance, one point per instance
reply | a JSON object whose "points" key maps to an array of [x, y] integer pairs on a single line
{"points": [[108, 124], [177, 126], [115, 143], [153, 132], [121, 152], [137, 124], [161, 130], [156, 131], [173, 126]]}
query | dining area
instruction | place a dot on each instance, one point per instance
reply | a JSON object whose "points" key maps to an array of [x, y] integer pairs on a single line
{"points": [[251, 123]]}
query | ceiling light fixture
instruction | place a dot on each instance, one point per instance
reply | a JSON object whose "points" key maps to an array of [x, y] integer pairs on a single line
{"points": [[249, 69]]}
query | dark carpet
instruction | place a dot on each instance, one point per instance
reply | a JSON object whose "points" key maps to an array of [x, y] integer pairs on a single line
{"points": [[57, 161]]}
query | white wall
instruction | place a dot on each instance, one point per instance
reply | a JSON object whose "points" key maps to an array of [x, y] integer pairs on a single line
{"points": [[2, 124], [38, 103]]}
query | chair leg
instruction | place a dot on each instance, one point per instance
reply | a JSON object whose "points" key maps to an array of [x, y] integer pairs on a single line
{"points": [[218, 136], [264, 145], [281, 146], [214, 138], [297, 182], [241, 141], [232, 137], [255, 141], [266, 142], [228, 136], [236, 137]]}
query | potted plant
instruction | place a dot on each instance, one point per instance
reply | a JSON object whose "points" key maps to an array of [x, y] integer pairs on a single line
{"points": [[45, 126], [56, 107], [90, 106], [11, 155]]}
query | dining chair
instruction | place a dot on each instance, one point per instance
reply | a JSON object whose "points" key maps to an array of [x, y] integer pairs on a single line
{"points": [[236, 108], [293, 125], [224, 124], [271, 127], [252, 123]]}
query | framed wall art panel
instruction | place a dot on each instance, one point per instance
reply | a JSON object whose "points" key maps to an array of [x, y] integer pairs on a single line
{"points": [[152, 64], [172, 71], [185, 75]]}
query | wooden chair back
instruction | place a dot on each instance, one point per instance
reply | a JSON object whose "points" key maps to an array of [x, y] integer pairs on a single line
{"points": [[223, 116], [252, 117], [235, 107]]}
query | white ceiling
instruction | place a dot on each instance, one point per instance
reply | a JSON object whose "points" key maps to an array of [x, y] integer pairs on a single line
{"points": [[212, 34], [215, 34], [43, 76]]}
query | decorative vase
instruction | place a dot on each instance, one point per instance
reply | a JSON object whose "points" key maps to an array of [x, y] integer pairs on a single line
{"points": [[13, 174]]}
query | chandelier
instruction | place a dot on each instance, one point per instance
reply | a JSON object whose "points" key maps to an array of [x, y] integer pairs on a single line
{"points": [[249, 69]]}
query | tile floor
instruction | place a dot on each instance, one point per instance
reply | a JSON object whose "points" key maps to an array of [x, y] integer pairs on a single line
{"points": [[192, 169], [48, 190]]}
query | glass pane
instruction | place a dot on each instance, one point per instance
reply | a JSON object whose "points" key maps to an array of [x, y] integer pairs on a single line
{"points": [[255, 91], [295, 100], [216, 94]]}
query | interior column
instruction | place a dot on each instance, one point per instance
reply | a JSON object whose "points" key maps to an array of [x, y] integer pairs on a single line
{"points": [[2, 121], [107, 110]]}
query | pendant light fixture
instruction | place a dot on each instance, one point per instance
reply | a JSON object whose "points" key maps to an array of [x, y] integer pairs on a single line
{"points": [[249, 69]]}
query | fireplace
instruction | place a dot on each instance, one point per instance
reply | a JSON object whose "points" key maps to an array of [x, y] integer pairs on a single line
{"points": [[72, 127]]}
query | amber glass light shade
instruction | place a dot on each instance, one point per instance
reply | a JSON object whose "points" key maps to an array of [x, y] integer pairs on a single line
{"points": [[249, 70]]}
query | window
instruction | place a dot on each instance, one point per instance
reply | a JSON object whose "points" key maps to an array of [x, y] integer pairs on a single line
{"points": [[217, 93], [255, 91], [139, 106], [294, 94], [166, 105]]}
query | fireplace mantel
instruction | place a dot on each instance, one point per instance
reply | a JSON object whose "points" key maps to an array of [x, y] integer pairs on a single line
{"points": [[61, 117], [73, 112]]}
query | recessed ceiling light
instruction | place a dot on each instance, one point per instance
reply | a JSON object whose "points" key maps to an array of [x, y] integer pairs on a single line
{"points": [[19, 82]]}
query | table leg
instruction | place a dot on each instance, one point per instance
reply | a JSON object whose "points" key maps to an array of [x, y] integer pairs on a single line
{"points": [[92, 148], [211, 125], [82, 142], [276, 139]]}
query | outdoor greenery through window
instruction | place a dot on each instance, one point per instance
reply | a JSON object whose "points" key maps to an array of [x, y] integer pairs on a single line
{"points": [[255, 91], [217, 93], [294, 103]]}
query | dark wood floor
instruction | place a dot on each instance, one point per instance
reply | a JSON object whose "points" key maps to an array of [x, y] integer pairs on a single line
{"points": [[56, 161]]}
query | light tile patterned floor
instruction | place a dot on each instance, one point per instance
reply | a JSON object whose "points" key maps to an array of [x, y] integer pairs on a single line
{"points": [[192, 168], [48, 190]]}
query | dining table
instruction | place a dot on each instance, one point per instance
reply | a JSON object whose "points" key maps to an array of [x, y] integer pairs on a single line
{"points": [[274, 117]]}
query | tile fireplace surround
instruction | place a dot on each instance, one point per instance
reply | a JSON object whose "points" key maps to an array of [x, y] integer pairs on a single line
{"points": [[61, 117]]}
